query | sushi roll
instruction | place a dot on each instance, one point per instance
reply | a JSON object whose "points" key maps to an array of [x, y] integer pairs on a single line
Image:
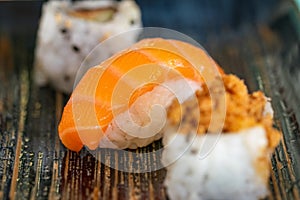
{"points": [[72, 30], [217, 136], [234, 164]]}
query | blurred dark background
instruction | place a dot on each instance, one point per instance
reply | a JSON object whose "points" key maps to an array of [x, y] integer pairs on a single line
{"points": [[196, 18], [212, 23], [206, 21]]}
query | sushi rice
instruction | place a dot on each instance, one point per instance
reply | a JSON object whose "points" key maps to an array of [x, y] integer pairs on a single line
{"points": [[236, 168], [128, 129]]}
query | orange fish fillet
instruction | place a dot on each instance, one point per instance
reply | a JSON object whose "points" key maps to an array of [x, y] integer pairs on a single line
{"points": [[111, 87]]}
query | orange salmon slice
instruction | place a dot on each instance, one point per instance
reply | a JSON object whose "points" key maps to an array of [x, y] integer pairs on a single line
{"points": [[110, 88]]}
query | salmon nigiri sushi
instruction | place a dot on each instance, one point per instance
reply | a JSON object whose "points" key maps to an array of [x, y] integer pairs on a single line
{"points": [[112, 106]]}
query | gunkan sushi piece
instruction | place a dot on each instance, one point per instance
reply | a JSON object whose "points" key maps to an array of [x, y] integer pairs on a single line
{"points": [[69, 31], [234, 164]]}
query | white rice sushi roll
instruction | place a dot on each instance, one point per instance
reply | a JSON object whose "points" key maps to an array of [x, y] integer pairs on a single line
{"points": [[234, 164], [69, 31]]}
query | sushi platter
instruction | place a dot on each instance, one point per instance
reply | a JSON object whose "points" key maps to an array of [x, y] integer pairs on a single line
{"points": [[40, 158]]}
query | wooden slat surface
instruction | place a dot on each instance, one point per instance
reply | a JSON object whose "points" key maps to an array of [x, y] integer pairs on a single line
{"points": [[35, 165]]}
